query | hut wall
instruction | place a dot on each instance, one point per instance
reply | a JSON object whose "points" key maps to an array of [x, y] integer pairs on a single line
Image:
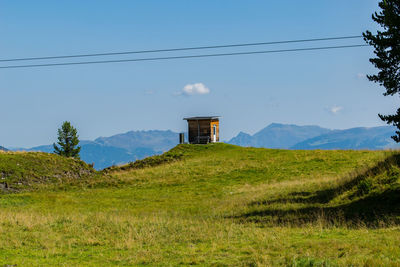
{"points": [[216, 123], [201, 127]]}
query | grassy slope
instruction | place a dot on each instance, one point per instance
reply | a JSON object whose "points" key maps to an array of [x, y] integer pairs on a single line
{"points": [[215, 204], [31, 170]]}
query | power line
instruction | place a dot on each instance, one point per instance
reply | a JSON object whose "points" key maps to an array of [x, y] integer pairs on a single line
{"points": [[181, 57], [181, 49]]}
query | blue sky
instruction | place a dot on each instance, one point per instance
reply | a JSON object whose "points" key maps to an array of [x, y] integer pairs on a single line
{"points": [[326, 88]]}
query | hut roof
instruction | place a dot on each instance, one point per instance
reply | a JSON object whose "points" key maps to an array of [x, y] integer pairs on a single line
{"points": [[202, 118]]}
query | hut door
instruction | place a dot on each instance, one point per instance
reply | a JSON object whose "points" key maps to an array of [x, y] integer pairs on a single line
{"points": [[214, 133]]}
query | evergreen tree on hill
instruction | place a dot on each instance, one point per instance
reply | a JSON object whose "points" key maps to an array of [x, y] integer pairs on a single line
{"points": [[67, 141], [387, 50]]}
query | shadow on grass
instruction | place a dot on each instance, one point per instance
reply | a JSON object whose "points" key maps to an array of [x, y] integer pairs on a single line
{"points": [[363, 207]]}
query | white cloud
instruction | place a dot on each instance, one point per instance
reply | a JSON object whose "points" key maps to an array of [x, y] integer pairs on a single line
{"points": [[149, 92], [361, 76], [195, 89], [335, 109]]}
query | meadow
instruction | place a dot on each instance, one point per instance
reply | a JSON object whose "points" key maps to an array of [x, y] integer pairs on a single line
{"points": [[208, 205]]}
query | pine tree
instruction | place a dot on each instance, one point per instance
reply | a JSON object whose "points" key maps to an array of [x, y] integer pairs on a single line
{"points": [[67, 141], [387, 49]]}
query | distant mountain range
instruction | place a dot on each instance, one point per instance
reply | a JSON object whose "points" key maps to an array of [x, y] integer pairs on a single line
{"points": [[314, 137], [278, 135], [3, 148], [121, 148], [133, 145], [354, 138]]}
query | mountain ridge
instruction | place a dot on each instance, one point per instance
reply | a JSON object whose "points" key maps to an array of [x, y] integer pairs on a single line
{"points": [[134, 145], [277, 135], [121, 148], [353, 138], [291, 136]]}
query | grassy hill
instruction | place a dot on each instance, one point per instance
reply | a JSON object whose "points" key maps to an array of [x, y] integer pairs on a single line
{"points": [[32, 170], [214, 204]]}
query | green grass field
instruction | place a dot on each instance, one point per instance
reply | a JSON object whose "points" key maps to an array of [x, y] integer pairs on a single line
{"points": [[212, 205]]}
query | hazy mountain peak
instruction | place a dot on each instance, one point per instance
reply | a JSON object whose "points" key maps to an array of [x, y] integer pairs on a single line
{"points": [[277, 135], [274, 124], [353, 138], [282, 125], [242, 139], [243, 134]]}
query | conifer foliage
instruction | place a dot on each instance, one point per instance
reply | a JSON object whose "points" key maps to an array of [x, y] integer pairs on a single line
{"points": [[387, 50], [68, 141]]}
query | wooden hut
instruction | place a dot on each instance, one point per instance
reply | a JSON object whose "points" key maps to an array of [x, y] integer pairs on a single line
{"points": [[203, 130]]}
